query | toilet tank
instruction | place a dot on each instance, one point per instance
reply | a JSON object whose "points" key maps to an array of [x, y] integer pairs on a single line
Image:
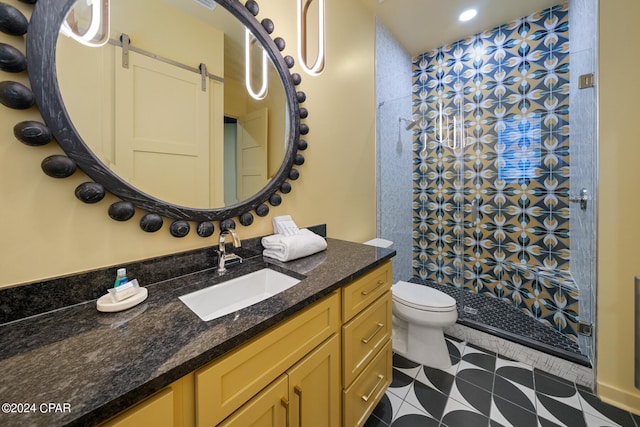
{"points": [[380, 243]]}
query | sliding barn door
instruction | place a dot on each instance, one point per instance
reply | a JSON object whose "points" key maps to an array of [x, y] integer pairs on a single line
{"points": [[162, 129]]}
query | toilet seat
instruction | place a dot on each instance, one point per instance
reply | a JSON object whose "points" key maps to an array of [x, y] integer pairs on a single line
{"points": [[422, 297]]}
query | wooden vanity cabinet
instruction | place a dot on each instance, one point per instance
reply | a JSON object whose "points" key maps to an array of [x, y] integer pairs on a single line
{"points": [[327, 366]]}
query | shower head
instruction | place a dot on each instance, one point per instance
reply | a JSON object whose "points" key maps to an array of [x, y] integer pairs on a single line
{"points": [[410, 124]]}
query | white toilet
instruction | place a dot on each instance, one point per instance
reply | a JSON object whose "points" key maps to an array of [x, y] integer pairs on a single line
{"points": [[419, 315]]}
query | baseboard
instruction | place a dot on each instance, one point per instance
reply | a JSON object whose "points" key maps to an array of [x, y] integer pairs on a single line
{"points": [[622, 399]]}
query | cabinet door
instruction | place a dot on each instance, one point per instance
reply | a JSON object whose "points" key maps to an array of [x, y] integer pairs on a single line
{"points": [[227, 383], [171, 407], [267, 409], [314, 387]]}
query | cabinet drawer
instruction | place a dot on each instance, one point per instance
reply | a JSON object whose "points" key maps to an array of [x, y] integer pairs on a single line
{"points": [[365, 290], [361, 398], [224, 385], [364, 336]]}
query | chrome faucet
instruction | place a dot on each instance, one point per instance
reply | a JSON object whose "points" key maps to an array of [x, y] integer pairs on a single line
{"points": [[223, 257]]}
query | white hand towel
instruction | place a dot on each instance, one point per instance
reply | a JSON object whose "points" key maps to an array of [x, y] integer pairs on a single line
{"points": [[288, 248]]}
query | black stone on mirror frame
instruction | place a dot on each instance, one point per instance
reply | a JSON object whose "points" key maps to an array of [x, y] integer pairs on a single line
{"points": [[304, 113], [58, 166], [302, 145], [179, 228], [32, 133], [16, 95], [296, 78], [280, 43], [289, 61], [304, 129], [299, 159], [262, 210], [268, 25], [12, 21], [285, 188], [90, 192], [151, 222], [122, 211], [205, 229], [246, 219], [252, 7], [294, 174], [11, 59], [275, 200], [301, 97], [227, 224]]}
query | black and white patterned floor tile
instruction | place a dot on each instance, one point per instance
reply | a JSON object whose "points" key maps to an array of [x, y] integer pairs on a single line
{"points": [[485, 389]]}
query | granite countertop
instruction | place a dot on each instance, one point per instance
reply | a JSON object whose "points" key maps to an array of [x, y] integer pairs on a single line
{"points": [[78, 366]]}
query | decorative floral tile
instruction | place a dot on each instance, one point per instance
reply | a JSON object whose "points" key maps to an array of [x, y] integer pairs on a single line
{"points": [[511, 84]]}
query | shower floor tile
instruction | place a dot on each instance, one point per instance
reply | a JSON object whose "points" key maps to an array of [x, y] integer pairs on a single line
{"points": [[494, 391], [478, 311]]}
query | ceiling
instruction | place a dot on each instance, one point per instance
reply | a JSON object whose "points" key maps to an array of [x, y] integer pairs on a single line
{"points": [[423, 25]]}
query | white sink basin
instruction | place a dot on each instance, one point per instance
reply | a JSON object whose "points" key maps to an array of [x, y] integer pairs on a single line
{"points": [[235, 294]]}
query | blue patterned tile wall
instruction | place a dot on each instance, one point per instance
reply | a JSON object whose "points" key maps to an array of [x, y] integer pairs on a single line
{"points": [[491, 171]]}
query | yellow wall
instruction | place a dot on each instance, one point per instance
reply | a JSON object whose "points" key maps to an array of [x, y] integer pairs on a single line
{"points": [[46, 232], [619, 206]]}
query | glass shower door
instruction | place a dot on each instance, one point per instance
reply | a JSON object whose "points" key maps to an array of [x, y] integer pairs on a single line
{"points": [[529, 222]]}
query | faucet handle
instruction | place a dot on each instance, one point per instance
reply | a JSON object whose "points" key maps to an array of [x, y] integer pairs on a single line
{"points": [[230, 257]]}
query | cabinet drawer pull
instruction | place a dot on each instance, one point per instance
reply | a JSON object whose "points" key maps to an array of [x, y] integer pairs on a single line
{"points": [[380, 283], [297, 390], [378, 329], [368, 396]]}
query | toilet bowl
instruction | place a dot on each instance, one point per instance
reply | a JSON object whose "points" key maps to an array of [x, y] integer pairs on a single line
{"points": [[420, 313]]}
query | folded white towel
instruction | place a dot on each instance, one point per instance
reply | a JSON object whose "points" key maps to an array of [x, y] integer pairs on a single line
{"points": [[288, 248]]}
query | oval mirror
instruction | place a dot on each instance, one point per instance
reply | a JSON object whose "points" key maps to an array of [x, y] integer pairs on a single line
{"points": [[177, 162], [168, 110]]}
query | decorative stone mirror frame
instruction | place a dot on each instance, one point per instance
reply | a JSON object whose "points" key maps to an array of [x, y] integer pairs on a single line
{"points": [[43, 32]]}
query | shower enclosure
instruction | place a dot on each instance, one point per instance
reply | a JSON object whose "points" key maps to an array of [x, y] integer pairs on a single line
{"points": [[502, 181]]}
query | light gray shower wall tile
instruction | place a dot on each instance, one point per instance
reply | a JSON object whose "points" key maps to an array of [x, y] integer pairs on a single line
{"points": [[393, 149], [582, 19]]}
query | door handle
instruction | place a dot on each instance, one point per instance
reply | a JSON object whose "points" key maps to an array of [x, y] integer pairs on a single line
{"points": [[298, 390], [285, 403], [582, 198]]}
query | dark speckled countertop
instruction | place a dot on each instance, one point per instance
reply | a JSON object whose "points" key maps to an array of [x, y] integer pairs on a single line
{"points": [[94, 365]]}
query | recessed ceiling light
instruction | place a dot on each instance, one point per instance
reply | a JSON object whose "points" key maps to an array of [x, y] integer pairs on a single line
{"points": [[468, 15]]}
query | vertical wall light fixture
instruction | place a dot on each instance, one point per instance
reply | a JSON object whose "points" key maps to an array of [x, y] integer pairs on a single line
{"points": [[302, 18], [249, 42], [88, 22]]}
